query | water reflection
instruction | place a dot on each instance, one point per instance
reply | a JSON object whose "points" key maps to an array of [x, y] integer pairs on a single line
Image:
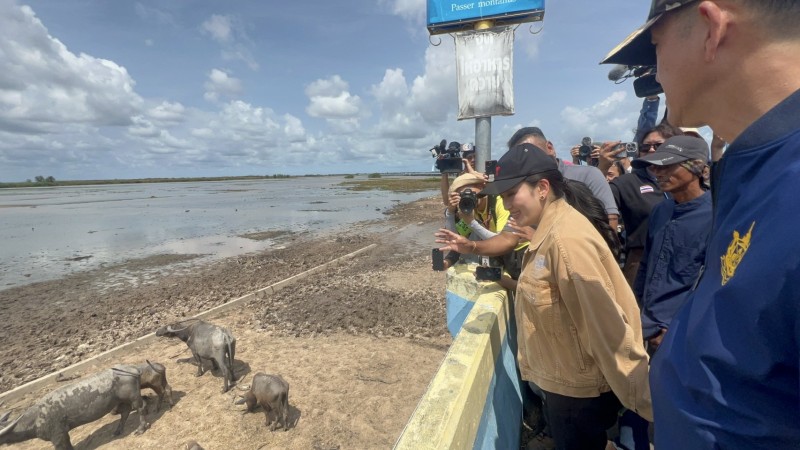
{"points": [[47, 232]]}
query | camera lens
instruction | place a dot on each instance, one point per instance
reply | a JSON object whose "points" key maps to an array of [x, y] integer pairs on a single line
{"points": [[468, 201]]}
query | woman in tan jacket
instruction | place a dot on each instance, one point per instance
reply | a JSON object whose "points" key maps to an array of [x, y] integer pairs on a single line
{"points": [[579, 331]]}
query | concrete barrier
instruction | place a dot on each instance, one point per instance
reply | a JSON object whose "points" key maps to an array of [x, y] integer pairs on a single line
{"points": [[474, 400], [147, 338]]}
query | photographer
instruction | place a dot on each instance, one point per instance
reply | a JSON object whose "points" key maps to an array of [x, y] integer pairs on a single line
{"points": [[610, 152], [476, 217], [587, 153], [446, 157]]}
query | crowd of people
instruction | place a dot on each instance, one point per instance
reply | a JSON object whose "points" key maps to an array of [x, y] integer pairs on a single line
{"points": [[659, 292]]}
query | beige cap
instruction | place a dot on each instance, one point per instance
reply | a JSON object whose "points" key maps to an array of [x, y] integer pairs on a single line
{"points": [[466, 179]]}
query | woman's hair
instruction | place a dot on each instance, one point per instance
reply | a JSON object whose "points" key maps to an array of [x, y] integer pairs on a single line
{"points": [[664, 129], [620, 167], [580, 197]]}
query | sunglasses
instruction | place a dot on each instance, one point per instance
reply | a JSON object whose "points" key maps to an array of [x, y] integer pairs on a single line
{"points": [[647, 147]]}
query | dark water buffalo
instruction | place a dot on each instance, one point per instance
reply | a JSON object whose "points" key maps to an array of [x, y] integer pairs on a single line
{"points": [[154, 376], [206, 341], [272, 393], [77, 404]]}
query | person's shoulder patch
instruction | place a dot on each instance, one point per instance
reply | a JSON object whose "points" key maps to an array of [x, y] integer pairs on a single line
{"points": [[736, 250], [645, 189]]}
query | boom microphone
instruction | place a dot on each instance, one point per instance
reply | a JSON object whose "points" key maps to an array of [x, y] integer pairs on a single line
{"points": [[616, 73]]}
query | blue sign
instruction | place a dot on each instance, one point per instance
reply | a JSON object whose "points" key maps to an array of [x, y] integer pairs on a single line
{"points": [[446, 16]]}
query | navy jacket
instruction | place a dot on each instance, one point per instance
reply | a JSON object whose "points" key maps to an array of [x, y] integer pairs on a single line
{"points": [[727, 374], [673, 254]]}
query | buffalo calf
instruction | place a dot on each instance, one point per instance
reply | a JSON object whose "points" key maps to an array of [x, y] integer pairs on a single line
{"points": [[272, 393]]}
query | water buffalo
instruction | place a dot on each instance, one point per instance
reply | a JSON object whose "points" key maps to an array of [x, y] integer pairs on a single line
{"points": [[154, 376], [77, 404], [272, 393], [206, 341]]}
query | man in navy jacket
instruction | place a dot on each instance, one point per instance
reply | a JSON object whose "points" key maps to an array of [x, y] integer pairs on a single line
{"points": [[677, 234], [727, 374]]}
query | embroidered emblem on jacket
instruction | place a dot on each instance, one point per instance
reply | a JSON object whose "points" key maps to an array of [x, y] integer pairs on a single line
{"points": [[645, 189], [736, 250]]}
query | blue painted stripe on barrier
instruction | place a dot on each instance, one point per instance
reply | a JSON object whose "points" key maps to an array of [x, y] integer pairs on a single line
{"points": [[504, 398], [457, 310]]}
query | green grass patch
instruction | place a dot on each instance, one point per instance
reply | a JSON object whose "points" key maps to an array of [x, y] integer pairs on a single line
{"points": [[407, 184]]}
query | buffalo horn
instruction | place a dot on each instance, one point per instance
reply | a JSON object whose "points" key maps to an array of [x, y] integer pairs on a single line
{"points": [[10, 426]]}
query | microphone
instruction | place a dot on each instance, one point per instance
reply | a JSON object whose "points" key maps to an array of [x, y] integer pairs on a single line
{"points": [[616, 73]]}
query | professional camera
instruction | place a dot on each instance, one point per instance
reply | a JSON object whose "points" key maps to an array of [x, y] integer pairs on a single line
{"points": [[644, 83], [585, 150], [448, 157], [468, 202]]}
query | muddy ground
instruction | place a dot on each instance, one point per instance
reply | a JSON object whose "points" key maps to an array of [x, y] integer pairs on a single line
{"points": [[358, 343]]}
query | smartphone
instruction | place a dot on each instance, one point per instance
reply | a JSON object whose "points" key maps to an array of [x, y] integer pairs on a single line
{"points": [[484, 273], [438, 260], [491, 169]]}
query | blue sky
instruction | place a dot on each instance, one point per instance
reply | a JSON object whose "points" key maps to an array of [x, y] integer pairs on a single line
{"points": [[108, 89]]}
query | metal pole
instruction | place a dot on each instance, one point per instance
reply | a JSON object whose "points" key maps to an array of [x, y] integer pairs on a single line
{"points": [[483, 125]]}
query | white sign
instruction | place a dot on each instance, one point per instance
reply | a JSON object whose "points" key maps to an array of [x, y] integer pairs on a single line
{"points": [[484, 66]]}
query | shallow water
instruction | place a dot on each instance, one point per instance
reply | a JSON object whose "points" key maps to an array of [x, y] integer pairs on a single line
{"points": [[49, 232]]}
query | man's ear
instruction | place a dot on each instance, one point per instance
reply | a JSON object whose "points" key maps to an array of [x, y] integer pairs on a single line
{"points": [[716, 21]]}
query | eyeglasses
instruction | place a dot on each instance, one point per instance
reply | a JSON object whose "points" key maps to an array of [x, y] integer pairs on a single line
{"points": [[647, 147]]}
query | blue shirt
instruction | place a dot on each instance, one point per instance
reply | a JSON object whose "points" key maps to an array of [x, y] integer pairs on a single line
{"points": [[727, 374], [673, 254]]}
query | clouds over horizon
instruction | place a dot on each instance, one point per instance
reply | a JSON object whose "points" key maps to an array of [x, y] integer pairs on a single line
{"points": [[68, 113]]}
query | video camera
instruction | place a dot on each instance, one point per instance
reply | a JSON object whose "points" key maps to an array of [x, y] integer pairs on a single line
{"points": [[644, 83], [448, 157]]}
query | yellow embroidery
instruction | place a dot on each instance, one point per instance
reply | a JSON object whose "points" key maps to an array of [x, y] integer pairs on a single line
{"points": [[736, 250]]}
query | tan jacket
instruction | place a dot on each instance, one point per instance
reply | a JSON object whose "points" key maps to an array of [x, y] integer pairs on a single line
{"points": [[578, 324]]}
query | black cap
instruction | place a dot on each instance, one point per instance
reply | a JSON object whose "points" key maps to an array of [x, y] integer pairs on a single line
{"points": [[637, 49], [520, 162], [675, 150]]}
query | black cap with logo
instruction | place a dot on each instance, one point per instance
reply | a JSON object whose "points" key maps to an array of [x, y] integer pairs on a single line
{"points": [[520, 162], [637, 49], [675, 150]]}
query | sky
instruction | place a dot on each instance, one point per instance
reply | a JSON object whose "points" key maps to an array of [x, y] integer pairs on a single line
{"points": [[98, 89]]}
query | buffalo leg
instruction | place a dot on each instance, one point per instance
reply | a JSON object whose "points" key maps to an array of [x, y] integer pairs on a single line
{"points": [[266, 417], [225, 375], [140, 408], [124, 410], [199, 364], [61, 440]]}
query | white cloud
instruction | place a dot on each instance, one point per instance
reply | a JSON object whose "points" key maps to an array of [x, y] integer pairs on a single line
{"points": [[414, 111], [293, 129], [330, 87], [220, 84], [167, 112], [331, 100], [229, 32], [411, 10], [44, 85], [219, 27], [153, 14], [142, 127], [612, 118]]}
